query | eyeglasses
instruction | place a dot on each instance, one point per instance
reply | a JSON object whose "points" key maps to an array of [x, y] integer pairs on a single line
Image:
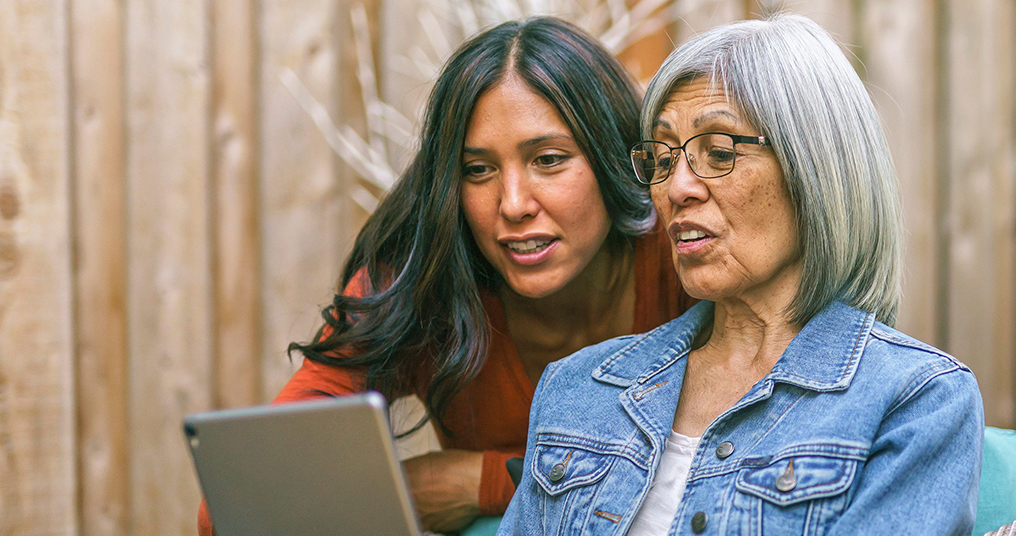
{"points": [[709, 156]]}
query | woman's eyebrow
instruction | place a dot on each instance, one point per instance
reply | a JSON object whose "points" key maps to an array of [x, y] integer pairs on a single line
{"points": [[713, 115], [523, 145], [700, 120], [541, 139]]}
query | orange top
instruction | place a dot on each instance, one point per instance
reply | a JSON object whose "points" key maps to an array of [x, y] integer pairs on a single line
{"points": [[491, 414]]}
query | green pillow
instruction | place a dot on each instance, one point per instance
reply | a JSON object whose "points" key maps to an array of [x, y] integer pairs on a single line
{"points": [[482, 526], [996, 501]]}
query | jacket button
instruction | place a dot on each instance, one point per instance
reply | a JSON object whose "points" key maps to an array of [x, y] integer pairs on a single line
{"points": [[787, 481], [557, 472], [699, 522], [725, 449]]}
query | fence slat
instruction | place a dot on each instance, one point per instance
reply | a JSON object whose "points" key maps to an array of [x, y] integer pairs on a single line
{"points": [[100, 265], [906, 102], [981, 201], [300, 197], [237, 251], [169, 269], [38, 487]]}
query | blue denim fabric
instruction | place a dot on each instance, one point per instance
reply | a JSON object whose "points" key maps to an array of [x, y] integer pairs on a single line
{"points": [[884, 433]]}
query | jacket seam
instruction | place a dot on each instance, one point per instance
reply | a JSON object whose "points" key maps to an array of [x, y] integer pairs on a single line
{"points": [[919, 381], [591, 445], [890, 338]]}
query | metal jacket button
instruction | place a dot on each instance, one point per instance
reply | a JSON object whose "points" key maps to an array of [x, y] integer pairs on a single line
{"points": [[557, 472], [787, 481], [724, 449], [699, 522]]}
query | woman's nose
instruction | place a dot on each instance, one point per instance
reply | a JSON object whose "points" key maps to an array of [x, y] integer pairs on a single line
{"points": [[517, 199], [684, 187]]}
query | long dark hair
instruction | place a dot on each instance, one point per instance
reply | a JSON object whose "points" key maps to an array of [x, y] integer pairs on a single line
{"points": [[423, 268]]}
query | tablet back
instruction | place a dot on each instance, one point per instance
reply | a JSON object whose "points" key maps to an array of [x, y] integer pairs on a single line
{"points": [[326, 466]]}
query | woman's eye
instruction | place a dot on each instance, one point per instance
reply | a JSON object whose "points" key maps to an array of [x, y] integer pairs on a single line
{"points": [[475, 170], [721, 155], [550, 160]]}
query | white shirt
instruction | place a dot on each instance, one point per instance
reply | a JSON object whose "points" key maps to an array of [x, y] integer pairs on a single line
{"points": [[660, 506]]}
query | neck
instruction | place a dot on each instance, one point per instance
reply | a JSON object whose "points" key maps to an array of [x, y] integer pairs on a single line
{"points": [[753, 330], [598, 304]]}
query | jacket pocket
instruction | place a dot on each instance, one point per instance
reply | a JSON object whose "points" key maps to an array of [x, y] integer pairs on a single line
{"points": [[801, 490], [561, 467], [798, 478]]}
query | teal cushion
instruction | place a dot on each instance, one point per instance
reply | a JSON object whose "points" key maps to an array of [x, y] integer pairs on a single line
{"points": [[482, 526], [996, 500]]}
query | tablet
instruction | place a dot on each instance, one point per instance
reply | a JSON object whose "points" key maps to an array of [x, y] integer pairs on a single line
{"points": [[326, 466]]}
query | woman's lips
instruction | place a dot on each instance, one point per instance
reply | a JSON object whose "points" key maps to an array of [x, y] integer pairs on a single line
{"points": [[689, 238], [692, 246], [531, 251]]}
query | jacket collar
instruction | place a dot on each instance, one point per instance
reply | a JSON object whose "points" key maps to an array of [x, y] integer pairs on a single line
{"points": [[653, 352], [825, 354], [822, 357]]}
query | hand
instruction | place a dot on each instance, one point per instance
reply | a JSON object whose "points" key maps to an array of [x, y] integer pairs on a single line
{"points": [[446, 488]]}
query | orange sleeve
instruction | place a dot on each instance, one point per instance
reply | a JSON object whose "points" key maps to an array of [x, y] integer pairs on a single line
{"points": [[204, 520], [315, 380], [496, 487]]}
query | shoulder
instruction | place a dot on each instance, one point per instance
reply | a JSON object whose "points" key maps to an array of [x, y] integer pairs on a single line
{"points": [[912, 366], [582, 363], [907, 353], [622, 360], [360, 284]]}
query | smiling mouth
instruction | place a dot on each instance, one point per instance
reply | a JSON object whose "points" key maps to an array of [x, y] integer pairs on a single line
{"points": [[691, 236], [528, 246]]}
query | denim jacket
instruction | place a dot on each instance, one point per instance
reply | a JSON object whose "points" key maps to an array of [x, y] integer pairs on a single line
{"points": [[857, 429]]}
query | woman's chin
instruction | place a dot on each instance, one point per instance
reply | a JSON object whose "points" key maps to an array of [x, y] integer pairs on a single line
{"points": [[703, 288], [534, 288]]}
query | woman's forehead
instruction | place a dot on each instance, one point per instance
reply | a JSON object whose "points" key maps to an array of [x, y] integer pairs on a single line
{"points": [[697, 104], [699, 92]]}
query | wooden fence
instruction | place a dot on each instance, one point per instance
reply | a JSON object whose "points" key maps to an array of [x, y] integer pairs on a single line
{"points": [[170, 218]]}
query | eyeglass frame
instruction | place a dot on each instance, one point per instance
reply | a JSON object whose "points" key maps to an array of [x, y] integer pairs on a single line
{"points": [[736, 138]]}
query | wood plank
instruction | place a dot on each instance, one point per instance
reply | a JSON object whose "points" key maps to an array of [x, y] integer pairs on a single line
{"points": [[100, 264], [1002, 131], [301, 199], [169, 281], [1004, 325], [237, 246], [38, 485], [404, 82], [351, 109], [981, 201], [893, 30]]}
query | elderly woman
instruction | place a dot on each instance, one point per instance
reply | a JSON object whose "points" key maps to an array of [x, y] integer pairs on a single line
{"points": [[783, 403]]}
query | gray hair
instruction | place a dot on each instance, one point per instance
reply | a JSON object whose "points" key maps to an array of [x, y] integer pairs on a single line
{"points": [[788, 78]]}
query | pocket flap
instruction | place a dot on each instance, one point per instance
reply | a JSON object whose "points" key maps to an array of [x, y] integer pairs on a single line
{"points": [[798, 478], [559, 468]]}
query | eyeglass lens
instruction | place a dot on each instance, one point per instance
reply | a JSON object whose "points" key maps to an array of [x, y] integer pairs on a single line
{"points": [[709, 156]]}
